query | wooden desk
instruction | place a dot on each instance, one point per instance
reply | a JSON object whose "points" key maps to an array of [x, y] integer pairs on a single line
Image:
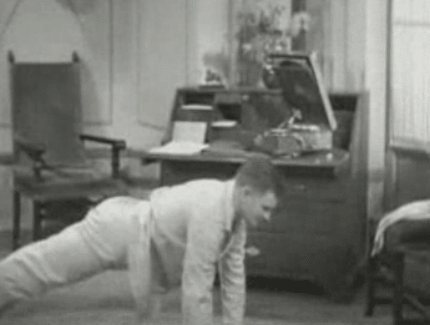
{"points": [[179, 168], [313, 235], [318, 232]]}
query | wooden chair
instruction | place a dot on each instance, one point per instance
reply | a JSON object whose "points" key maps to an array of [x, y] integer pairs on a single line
{"points": [[404, 242], [50, 162]]}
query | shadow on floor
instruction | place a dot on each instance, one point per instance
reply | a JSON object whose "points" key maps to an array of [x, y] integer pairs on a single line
{"points": [[106, 299]]}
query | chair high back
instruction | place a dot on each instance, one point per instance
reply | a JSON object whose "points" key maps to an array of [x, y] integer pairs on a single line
{"points": [[47, 109], [50, 168]]}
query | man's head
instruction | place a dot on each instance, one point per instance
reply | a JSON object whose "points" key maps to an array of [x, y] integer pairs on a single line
{"points": [[257, 188]]}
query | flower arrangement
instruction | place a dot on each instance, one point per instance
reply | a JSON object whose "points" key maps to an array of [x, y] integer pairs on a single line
{"points": [[263, 28]]}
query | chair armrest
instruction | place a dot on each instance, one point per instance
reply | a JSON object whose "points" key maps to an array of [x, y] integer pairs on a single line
{"points": [[116, 146], [35, 151], [117, 143]]}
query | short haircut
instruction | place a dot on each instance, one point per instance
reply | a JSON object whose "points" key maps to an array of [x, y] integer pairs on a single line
{"points": [[259, 173]]}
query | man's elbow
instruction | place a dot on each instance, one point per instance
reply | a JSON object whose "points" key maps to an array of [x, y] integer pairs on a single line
{"points": [[200, 298]]}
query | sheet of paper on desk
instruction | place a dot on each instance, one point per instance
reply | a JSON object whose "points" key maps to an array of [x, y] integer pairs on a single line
{"points": [[189, 131], [198, 107], [180, 148], [187, 138]]}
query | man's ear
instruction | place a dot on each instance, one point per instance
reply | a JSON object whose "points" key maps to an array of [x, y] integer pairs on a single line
{"points": [[247, 191]]}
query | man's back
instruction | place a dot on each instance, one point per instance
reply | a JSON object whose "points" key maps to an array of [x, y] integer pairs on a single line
{"points": [[203, 206]]}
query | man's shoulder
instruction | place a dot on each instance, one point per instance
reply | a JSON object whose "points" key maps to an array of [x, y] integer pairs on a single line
{"points": [[191, 184], [205, 182], [204, 189]]}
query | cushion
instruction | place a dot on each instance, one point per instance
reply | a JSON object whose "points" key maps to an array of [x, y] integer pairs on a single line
{"points": [[408, 232]]}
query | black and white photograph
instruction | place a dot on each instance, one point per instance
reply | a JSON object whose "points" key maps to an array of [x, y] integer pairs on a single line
{"points": [[214, 162]]}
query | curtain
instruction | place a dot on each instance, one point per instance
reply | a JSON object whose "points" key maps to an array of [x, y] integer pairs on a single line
{"points": [[410, 73]]}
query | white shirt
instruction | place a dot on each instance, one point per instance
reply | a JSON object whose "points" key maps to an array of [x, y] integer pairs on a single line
{"points": [[193, 230]]}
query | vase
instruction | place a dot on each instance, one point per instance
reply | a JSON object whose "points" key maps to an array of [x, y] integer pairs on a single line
{"points": [[250, 73]]}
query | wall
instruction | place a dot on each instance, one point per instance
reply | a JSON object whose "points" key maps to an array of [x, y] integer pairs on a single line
{"points": [[337, 34]]}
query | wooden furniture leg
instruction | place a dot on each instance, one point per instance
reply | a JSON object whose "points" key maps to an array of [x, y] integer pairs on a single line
{"points": [[16, 231], [37, 219], [370, 274], [398, 270]]}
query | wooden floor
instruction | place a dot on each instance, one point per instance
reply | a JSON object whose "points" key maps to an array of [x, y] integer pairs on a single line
{"points": [[106, 299]]}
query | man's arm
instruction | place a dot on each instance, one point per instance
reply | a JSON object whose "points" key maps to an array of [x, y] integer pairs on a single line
{"points": [[199, 272], [233, 282]]}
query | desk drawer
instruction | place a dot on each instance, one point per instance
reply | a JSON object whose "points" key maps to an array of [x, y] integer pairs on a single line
{"points": [[309, 217], [278, 256], [318, 258]]}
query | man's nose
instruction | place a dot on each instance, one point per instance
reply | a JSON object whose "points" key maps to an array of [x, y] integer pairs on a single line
{"points": [[266, 216]]}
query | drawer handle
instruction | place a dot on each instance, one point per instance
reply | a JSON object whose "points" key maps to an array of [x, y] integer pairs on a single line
{"points": [[300, 187], [252, 251]]}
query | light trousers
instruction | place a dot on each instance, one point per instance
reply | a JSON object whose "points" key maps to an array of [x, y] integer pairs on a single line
{"points": [[97, 243]]}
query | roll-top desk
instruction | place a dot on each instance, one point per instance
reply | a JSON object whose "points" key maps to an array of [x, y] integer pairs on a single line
{"points": [[317, 233]]}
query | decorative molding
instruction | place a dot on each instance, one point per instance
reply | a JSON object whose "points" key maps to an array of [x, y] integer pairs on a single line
{"points": [[105, 111], [5, 111], [106, 117], [4, 26], [179, 66], [139, 99]]}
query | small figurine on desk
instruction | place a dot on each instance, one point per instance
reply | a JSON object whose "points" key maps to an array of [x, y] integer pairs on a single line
{"points": [[213, 79]]}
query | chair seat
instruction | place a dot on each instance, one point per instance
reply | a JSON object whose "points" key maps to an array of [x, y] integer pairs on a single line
{"points": [[50, 163], [402, 267], [408, 234], [58, 188]]}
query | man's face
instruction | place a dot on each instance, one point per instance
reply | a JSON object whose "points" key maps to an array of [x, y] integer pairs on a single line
{"points": [[257, 207]]}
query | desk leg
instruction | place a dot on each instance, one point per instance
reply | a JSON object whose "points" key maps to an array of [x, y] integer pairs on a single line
{"points": [[16, 231], [37, 219], [370, 282], [398, 269]]}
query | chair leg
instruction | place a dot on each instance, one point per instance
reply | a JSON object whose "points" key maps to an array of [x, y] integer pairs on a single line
{"points": [[370, 283], [398, 270], [16, 231], [37, 219]]}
